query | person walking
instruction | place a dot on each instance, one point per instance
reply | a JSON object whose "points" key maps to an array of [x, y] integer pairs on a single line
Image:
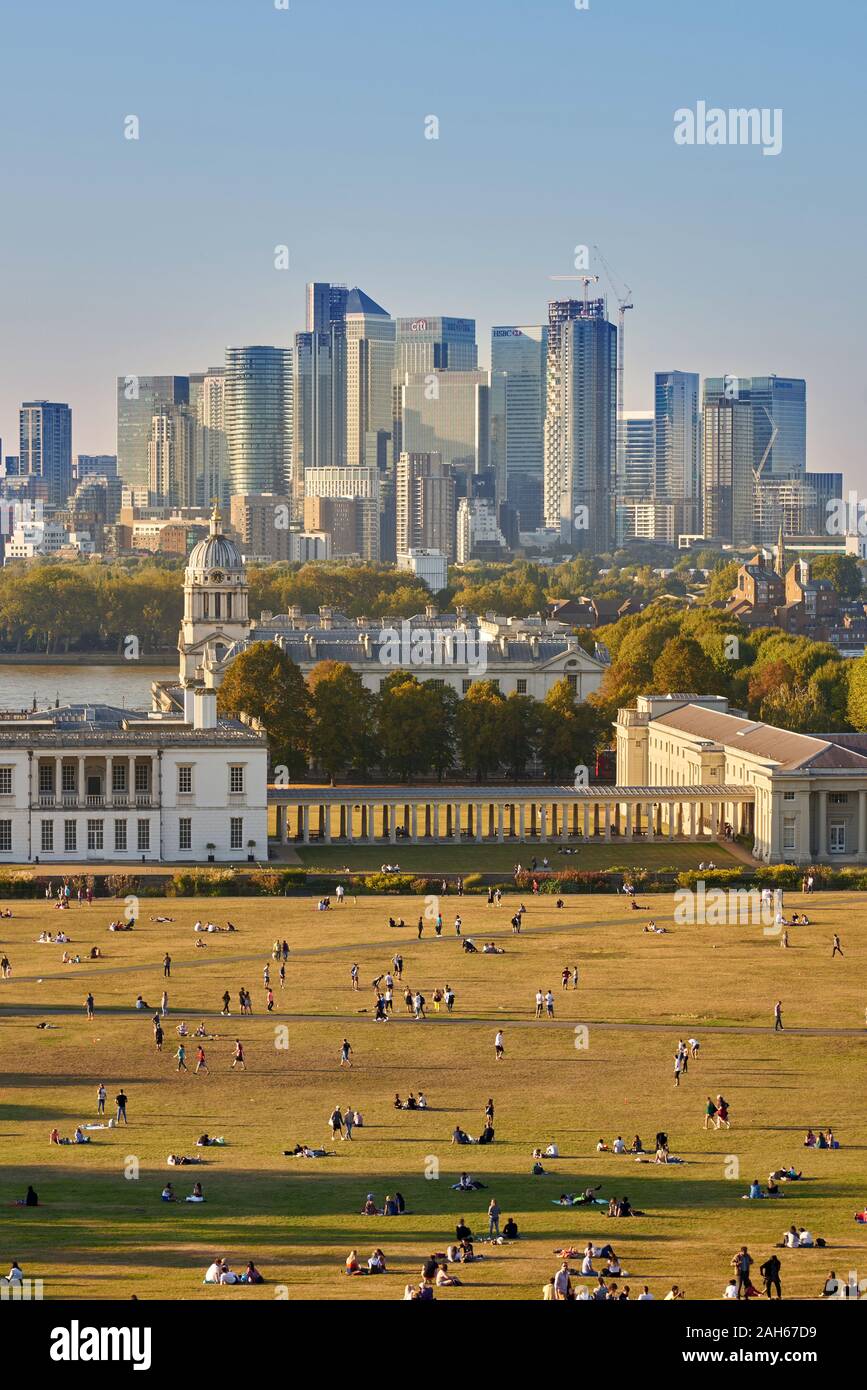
{"points": [[420, 927], [120, 1112], [489, 1113], [270, 998], [181, 1055], [575, 977], [353, 975], [345, 1053], [282, 974], [549, 1004], [348, 1122], [770, 1272], [158, 1038], [458, 925], [201, 1064], [88, 1004], [100, 1099], [722, 1113], [778, 1016], [164, 1004], [499, 1046], [709, 1113], [397, 962], [167, 965], [335, 1121], [493, 1217], [227, 999], [836, 949], [238, 1057], [540, 1000], [678, 1067]]}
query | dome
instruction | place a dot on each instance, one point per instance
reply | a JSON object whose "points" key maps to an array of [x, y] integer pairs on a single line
{"points": [[217, 553]]}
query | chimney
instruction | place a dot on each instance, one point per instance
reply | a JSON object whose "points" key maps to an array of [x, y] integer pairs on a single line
{"points": [[205, 709], [189, 693]]}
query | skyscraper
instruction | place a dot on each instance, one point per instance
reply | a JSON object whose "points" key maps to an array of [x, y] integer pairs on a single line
{"points": [[677, 429], [138, 398], [370, 338], [581, 424], [779, 408], [425, 504], [315, 419], [435, 344], [212, 463], [257, 415], [518, 367], [172, 456], [640, 454], [727, 469], [447, 413], [361, 486], [326, 305], [45, 446]]}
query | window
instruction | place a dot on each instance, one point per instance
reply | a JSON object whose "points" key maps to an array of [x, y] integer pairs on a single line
{"points": [[46, 777], [465, 685], [143, 838], [236, 832], [5, 781], [788, 796], [5, 836], [838, 837], [142, 777], [838, 798], [522, 687], [69, 839], [573, 680], [120, 836], [788, 832], [185, 833], [69, 777], [236, 779], [185, 781], [94, 834], [47, 841], [118, 777]]}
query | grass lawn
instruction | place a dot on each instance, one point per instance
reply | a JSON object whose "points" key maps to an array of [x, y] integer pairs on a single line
{"points": [[101, 1231], [471, 858]]}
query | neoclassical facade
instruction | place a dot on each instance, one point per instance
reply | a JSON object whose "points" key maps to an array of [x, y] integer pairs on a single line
{"points": [[809, 792]]}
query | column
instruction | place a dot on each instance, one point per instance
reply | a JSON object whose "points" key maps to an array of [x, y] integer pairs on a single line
{"points": [[629, 820], [862, 824], [533, 820], [512, 821], [109, 781], [607, 820], [413, 823], [477, 822], [522, 811], [80, 776], [501, 818], [543, 822], [585, 819], [392, 824], [436, 820], [651, 833], [305, 824], [672, 820], [693, 820], [457, 822]]}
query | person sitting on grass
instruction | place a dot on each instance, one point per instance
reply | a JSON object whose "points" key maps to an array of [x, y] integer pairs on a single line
{"points": [[351, 1265], [460, 1136], [785, 1175], [214, 1270], [251, 1275], [462, 1231], [370, 1208], [376, 1263], [510, 1230], [196, 1195], [444, 1279], [168, 1193]]}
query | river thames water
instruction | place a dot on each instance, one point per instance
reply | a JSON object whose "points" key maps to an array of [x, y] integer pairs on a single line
{"points": [[128, 685]]}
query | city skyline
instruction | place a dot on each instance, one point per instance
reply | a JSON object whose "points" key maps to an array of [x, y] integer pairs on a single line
{"points": [[125, 288]]}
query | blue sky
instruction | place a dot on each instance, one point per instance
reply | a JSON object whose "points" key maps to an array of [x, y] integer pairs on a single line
{"points": [[306, 127]]}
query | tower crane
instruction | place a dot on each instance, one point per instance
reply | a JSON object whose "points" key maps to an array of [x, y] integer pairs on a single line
{"points": [[623, 295]]}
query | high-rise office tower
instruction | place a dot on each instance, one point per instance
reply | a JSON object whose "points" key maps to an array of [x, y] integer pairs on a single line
{"points": [[315, 420], [639, 428], [212, 472], [86, 465], [677, 419], [581, 424], [779, 407], [45, 446], [727, 469], [257, 416], [518, 385], [425, 504], [370, 336], [326, 305], [138, 398], [172, 456], [430, 344], [447, 413]]}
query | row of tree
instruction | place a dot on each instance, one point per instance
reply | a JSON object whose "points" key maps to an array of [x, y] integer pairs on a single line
{"points": [[333, 724]]}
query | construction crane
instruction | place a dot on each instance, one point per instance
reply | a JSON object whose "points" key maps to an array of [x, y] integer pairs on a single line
{"points": [[623, 295], [585, 280]]}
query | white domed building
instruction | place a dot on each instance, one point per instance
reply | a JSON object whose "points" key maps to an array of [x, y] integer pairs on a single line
{"points": [[216, 613]]}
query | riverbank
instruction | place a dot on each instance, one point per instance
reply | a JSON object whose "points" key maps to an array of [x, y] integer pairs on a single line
{"points": [[166, 660]]}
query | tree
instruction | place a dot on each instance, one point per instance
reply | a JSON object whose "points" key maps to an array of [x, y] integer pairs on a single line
{"points": [[856, 705], [684, 666], [341, 718], [265, 684], [842, 571], [521, 725], [570, 731], [480, 729], [443, 705], [404, 728], [721, 582]]}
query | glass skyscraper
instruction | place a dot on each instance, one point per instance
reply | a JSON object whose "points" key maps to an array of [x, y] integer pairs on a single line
{"points": [[138, 400], [518, 366], [45, 446], [257, 418], [677, 443]]}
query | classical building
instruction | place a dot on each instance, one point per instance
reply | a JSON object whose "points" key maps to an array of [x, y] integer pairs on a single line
{"points": [[801, 798], [89, 784]]}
